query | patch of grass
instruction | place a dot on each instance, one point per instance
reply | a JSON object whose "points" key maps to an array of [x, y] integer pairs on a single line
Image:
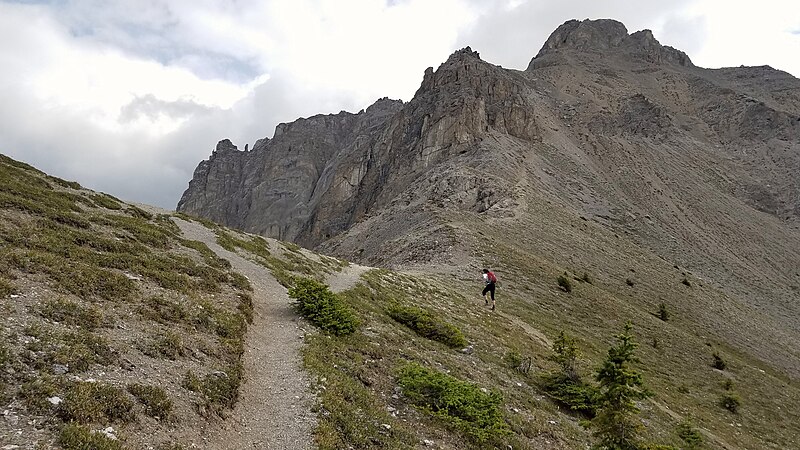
{"points": [[6, 288], [105, 201], [87, 402], [245, 306], [162, 310], [156, 402], [34, 394], [77, 350], [460, 404], [240, 282], [68, 312], [168, 345], [315, 302], [76, 437], [208, 255], [205, 222], [426, 325], [564, 283], [218, 390]]}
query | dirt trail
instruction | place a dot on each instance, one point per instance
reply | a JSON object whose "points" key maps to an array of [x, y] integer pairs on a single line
{"points": [[274, 408], [347, 278]]}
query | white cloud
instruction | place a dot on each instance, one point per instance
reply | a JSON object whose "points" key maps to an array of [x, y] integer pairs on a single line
{"points": [[128, 96]]}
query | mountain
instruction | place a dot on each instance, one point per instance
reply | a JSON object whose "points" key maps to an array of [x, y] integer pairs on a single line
{"points": [[611, 155]]}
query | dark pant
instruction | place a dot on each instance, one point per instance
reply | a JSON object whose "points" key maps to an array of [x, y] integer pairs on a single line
{"points": [[489, 288]]}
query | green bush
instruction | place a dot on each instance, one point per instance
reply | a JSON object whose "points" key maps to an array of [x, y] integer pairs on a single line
{"points": [[155, 400], [564, 283], [691, 438], [663, 314], [731, 402], [576, 395], [727, 385], [76, 437], [566, 386], [87, 402], [718, 362], [323, 308], [462, 405], [427, 326]]}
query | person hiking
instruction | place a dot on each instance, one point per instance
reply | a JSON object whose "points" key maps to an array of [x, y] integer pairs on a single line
{"points": [[490, 279]]}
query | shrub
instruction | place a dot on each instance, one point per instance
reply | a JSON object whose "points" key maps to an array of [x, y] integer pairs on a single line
{"points": [[87, 402], [620, 386], [564, 283], [426, 325], [718, 362], [76, 437], [460, 404], [155, 400], [689, 435], [323, 308], [731, 402], [566, 386], [576, 395], [727, 385], [71, 313], [663, 314], [81, 349], [629, 282]]}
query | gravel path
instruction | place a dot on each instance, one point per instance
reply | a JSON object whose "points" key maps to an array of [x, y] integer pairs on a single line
{"points": [[347, 278], [274, 408]]}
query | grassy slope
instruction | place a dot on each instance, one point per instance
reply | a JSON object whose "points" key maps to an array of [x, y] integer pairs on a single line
{"points": [[66, 253], [92, 288]]}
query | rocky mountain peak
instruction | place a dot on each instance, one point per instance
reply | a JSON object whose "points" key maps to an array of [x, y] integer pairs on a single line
{"points": [[606, 35]]}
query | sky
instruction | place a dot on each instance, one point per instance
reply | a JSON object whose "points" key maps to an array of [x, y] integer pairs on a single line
{"points": [[128, 96]]}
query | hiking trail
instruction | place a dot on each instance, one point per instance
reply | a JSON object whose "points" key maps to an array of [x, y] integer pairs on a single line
{"points": [[274, 410]]}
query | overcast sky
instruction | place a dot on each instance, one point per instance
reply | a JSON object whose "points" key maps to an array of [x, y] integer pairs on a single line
{"points": [[127, 96]]}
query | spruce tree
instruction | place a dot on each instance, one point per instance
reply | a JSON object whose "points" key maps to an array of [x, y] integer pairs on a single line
{"points": [[616, 424]]}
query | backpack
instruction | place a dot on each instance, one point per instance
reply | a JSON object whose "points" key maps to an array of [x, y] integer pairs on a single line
{"points": [[491, 277]]}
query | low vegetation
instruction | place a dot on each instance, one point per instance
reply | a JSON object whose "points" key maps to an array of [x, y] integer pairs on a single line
{"points": [[155, 400], [218, 390], [566, 386], [77, 437], [93, 272], [315, 302], [95, 402], [425, 324], [461, 404], [564, 283]]}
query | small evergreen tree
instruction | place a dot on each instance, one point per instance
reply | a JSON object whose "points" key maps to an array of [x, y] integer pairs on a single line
{"points": [[616, 426], [565, 354], [663, 314], [718, 363], [692, 439]]}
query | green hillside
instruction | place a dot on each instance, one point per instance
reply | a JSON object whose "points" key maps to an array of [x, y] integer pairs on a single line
{"points": [[112, 318]]}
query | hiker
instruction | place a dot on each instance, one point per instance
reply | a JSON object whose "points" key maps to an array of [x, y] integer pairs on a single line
{"points": [[490, 279]]}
